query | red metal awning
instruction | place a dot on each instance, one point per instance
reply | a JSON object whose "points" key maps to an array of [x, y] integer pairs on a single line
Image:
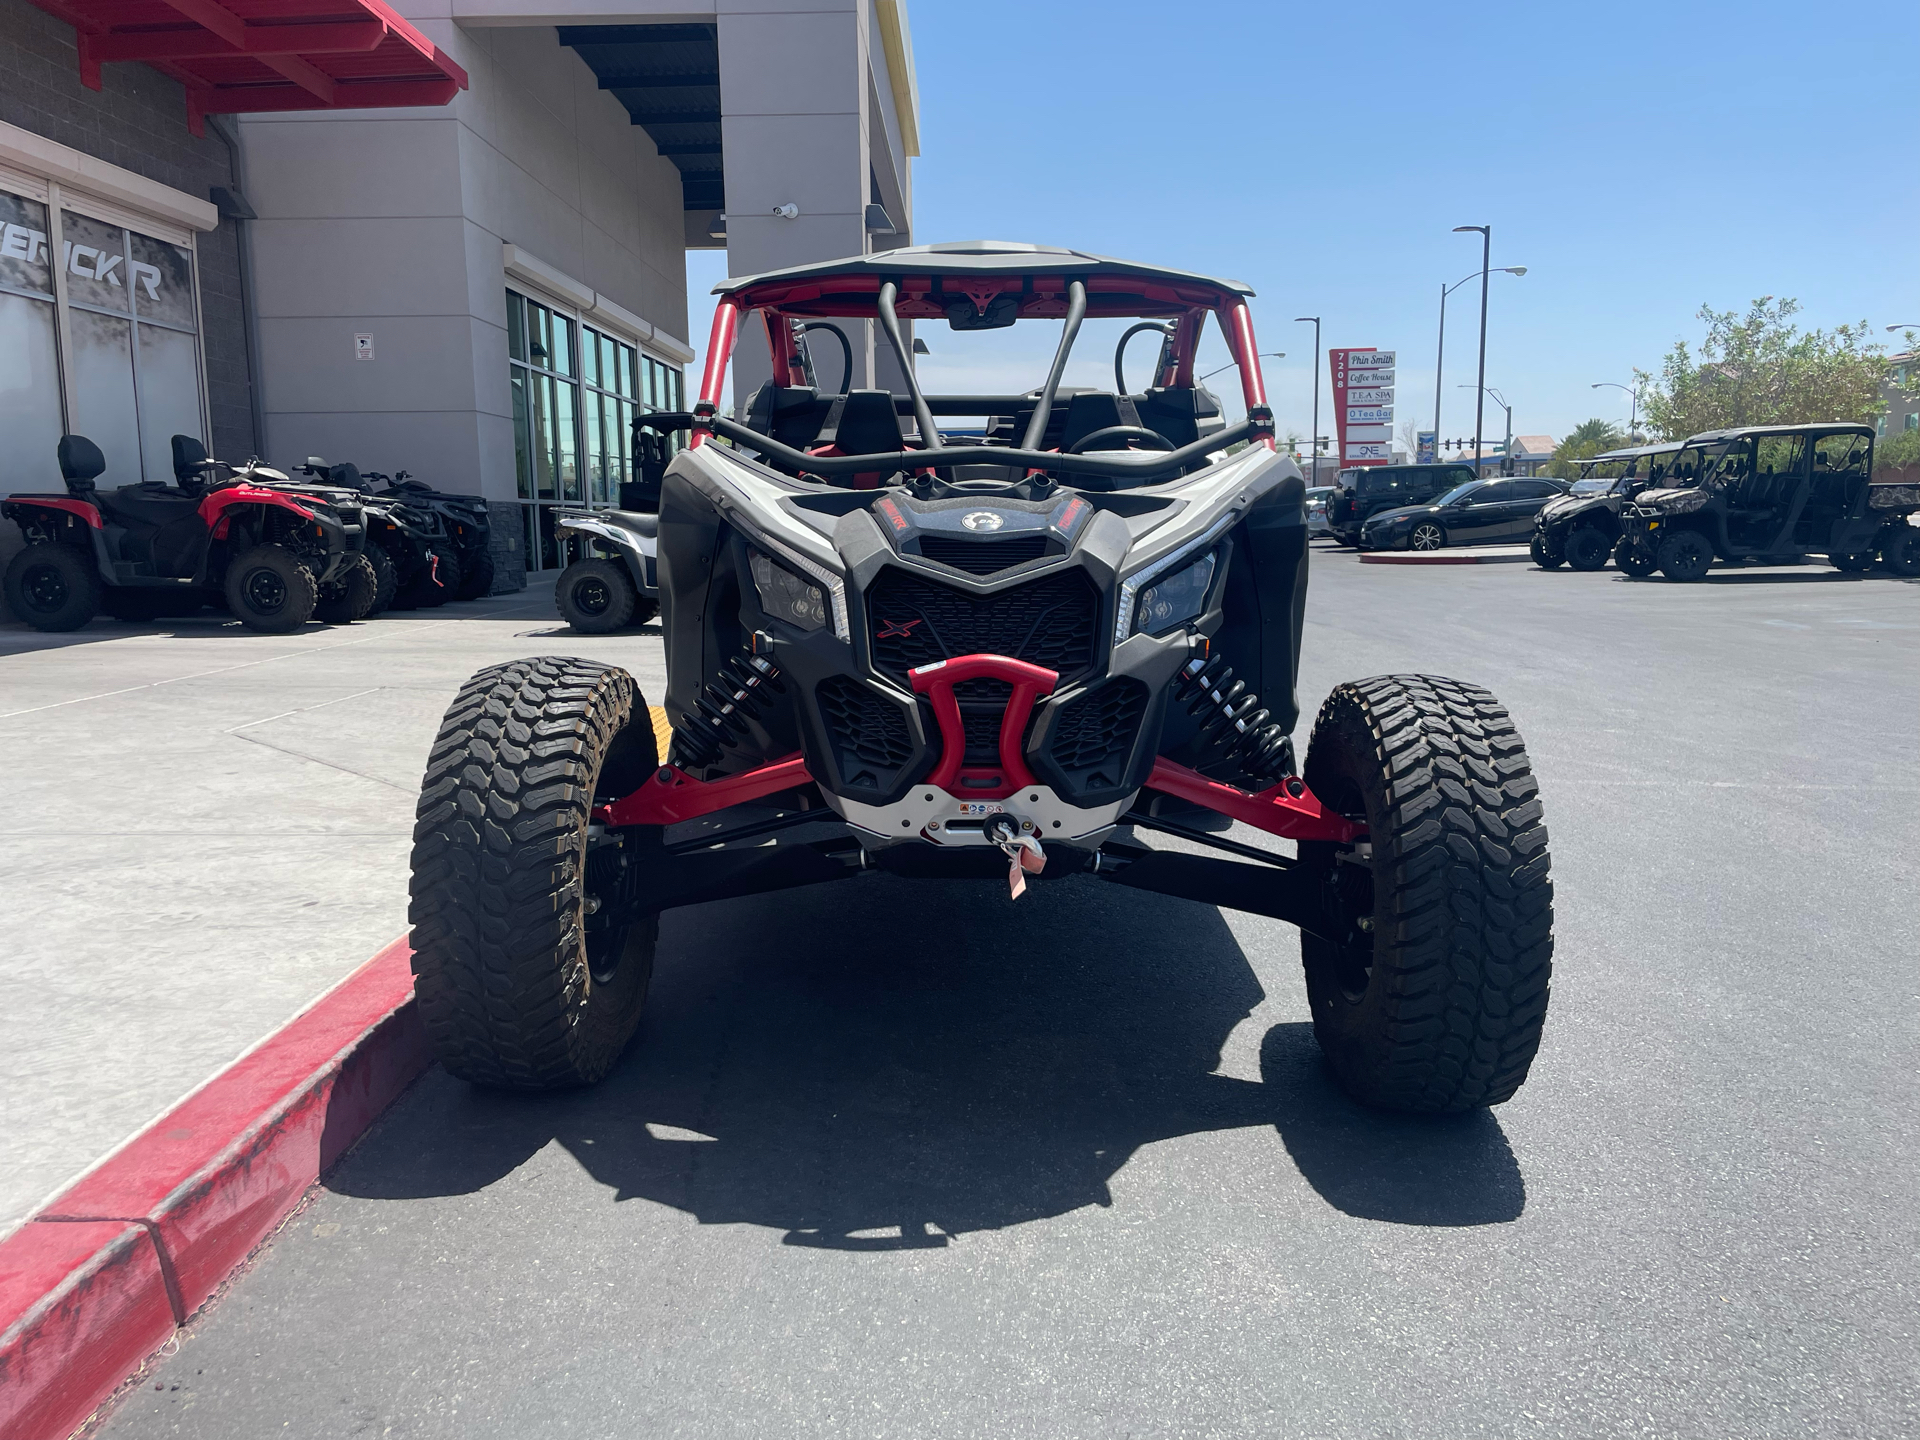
{"points": [[245, 56]]}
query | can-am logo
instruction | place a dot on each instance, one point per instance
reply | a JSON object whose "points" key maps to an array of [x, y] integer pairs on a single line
{"points": [[978, 520]]}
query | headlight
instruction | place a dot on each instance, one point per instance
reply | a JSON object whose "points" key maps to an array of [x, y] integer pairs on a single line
{"points": [[785, 596], [1174, 599]]}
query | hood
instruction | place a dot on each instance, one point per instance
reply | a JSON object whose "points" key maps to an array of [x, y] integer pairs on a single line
{"points": [[1400, 512], [1563, 504]]}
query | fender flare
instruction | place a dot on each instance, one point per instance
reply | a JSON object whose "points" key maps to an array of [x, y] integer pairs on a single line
{"points": [[85, 509]]}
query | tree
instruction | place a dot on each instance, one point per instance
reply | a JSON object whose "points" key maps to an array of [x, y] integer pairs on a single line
{"points": [[1589, 438], [1761, 369]]}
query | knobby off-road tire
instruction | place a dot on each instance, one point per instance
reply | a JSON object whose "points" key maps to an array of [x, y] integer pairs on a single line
{"points": [[1635, 557], [1588, 548], [53, 587], [268, 589], [477, 583], [385, 578], [1440, 1007], [350, 597], [1685, 556], [1546, 556], [1900, 552], [515, 988], [596, 596]]}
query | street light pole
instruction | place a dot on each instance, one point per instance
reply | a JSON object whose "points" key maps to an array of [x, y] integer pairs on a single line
{"points": [[1440, 356], [1633, 404], [1480, 397], [1313, 440]]}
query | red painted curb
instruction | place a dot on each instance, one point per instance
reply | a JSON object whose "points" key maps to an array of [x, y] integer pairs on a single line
{"points": [[98, 1280]]}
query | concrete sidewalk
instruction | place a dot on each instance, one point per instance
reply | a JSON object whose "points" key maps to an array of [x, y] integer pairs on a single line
{"points": [[209, 827]]}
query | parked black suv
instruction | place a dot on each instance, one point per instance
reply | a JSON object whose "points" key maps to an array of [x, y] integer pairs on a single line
{"points": [[1479, 512], [1582, 527], [1366, 490], [1774, 492]]}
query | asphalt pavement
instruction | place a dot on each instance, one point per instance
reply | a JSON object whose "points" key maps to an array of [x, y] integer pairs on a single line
{"points": [[914, 1160]]}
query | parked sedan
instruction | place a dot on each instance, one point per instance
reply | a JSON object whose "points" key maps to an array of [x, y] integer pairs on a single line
{"points": [[1317, 510], [1480, 512]]}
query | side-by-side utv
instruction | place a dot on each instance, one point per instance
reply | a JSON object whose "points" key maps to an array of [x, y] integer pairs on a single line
{"points": [[1775, 492], [1582, 528], [150, 548], [990, 656]]}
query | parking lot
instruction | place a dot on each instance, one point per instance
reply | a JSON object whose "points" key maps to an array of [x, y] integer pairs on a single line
{"points": [[1065, 1167]]}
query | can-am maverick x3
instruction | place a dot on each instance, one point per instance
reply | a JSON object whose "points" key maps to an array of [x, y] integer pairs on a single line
{"points": [[982, 657]]}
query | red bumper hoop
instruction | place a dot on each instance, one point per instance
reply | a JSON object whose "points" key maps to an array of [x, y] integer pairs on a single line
{"points": [[936, 682]]}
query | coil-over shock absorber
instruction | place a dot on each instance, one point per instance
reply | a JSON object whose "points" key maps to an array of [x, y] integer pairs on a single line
{"points": [[726, 705], [1231, 720]]}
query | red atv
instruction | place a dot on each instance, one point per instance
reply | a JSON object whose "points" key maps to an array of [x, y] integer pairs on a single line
{"points": [[150, 549]]}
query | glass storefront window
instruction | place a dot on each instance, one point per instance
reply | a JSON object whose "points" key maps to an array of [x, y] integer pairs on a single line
{"points": [[576, 391], [30, 415], [131, 322]]}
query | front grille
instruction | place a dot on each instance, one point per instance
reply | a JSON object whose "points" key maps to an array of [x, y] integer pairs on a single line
{"points": [[865, 730], [862, 724], [1094, 734], [983, 557], [914, 621]]}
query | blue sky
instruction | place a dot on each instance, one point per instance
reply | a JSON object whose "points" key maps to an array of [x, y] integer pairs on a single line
{"points": [[1640, 159]]}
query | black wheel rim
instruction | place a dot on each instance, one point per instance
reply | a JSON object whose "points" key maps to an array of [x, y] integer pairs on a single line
{"points": [[592, 596], [1349, 895], [606, 945], [265, 590], [1426, 537], [45, 589]]}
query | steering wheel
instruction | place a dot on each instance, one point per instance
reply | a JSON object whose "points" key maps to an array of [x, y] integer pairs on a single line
{"points": [[1155, 440]]}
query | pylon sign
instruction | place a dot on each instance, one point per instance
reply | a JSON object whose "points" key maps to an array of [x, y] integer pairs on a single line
{"points": [[1363, 404]]}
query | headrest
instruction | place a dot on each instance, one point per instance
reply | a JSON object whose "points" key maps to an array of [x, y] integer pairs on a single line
{"points": [[189, 457], [80, 458]]}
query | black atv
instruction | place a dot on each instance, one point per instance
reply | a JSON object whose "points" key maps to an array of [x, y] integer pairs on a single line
{"points": [[466, 531], [1582, 528], [1775, 493], [991, 660], [148, 549], [413, 563]]}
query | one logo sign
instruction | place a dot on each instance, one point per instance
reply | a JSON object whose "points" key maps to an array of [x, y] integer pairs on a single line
{"points": [[895, 629], [1369, 396], [1370, 360], [1368, 414], [982, 521]]}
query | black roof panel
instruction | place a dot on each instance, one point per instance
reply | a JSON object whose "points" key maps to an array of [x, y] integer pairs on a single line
{"points": [[980, 257]]}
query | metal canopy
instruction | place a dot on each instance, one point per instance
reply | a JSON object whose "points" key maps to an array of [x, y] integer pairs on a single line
{"points": [[981, 259], [252, 56], [668, 77]]}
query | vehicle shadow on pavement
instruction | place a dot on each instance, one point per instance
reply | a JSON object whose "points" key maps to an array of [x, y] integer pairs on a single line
{"points": [[880, 1064]]}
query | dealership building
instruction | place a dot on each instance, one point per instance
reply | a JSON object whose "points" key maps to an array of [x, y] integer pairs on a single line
{"points": [[448, 238]]}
